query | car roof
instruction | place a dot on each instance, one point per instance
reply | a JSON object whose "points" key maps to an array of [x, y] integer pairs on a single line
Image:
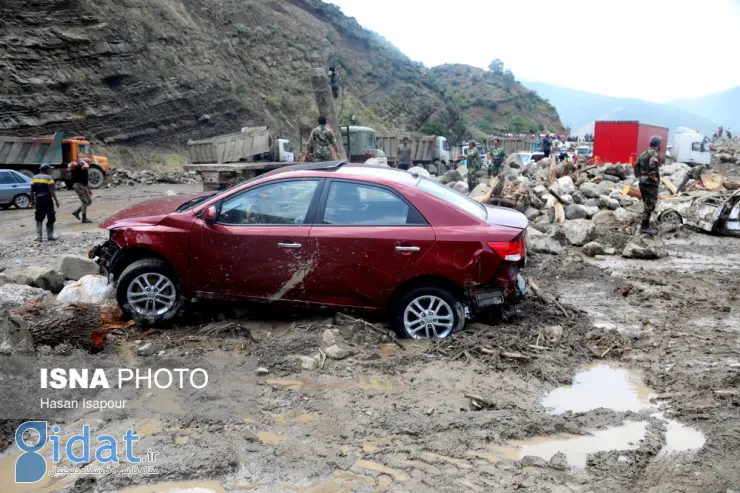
{"points": [[351, 171]]}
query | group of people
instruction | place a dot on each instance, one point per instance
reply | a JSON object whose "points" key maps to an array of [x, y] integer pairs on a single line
{"points": [[44, 197], [721, 133]]}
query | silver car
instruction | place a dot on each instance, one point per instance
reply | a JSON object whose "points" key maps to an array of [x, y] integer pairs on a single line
{"points": [[15, 189]]}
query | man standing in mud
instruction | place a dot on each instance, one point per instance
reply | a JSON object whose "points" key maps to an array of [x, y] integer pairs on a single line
{"points": [[321, 143], [498, 154], [648, 170], [43, 198], [474, 165], [79, 173]]}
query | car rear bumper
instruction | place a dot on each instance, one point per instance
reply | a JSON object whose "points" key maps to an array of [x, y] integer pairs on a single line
{"points": [[484, 297]]}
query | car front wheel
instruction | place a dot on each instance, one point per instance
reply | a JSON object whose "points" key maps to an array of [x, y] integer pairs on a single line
{"points": [[428, 312], [22, 201], [149, 292]]}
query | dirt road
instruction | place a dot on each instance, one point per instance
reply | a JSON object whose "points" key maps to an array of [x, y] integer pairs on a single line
{"points": [[633, 386]]}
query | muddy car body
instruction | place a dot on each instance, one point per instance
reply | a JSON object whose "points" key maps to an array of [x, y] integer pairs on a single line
{"points": [[712, 212], [326, 235]]}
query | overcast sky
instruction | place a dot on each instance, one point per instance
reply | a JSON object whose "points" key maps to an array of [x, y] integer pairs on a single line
{"points": [[656, 50]]}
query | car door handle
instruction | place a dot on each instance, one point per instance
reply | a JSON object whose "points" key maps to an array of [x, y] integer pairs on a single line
{"points": [[407, 249], [289, 245]]}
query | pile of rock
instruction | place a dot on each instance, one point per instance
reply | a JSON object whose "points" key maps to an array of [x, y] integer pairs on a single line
{"points": [[123, 177], [578, 209], [726, 151]]}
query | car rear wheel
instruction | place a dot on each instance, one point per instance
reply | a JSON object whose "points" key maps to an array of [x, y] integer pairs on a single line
{"points": [[428, 312], [22, 201], [149, 292], [95, 177], [671, 218]]}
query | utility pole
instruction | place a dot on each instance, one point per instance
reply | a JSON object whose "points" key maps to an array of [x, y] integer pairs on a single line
{"points": [[325, 102]]}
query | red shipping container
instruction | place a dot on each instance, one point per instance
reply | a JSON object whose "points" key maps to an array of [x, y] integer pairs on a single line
{"points": [[623, 142]]}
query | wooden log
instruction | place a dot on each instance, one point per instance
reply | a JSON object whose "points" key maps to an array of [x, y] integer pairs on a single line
{"points": [[52, 325], [327, 108], [669, 185]]}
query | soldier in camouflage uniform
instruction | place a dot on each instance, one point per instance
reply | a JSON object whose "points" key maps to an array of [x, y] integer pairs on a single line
{"points": [[321, 143], [474, 165], [648, 170], [498, 155]]}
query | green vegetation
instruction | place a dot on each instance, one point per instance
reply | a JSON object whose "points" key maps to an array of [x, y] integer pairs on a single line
{"points": [[434, 129], [275, 103], [485, 126]]}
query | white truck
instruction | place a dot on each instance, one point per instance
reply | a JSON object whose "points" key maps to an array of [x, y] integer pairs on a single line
{"points": [[690, 147], [430, 151], [227, 159]]}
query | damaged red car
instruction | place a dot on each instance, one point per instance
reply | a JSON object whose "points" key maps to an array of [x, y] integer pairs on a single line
{"points": [[329, 235]]}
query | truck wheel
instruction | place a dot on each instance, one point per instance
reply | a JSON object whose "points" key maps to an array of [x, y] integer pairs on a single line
{"points": [[26, 172], [96, 177], [149, 292], [428, 312], [22, 201], [437, 165]]}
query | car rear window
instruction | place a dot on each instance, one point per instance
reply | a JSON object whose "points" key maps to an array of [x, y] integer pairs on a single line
{"points": [[455, 198]]}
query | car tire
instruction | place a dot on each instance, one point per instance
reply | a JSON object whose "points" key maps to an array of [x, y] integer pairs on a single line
{"points": [[95, 177], [444, 310], [22, 201], [156, 307]]}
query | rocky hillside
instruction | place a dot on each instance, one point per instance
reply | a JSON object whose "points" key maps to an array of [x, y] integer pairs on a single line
{"points": [[494, 102], [156, 73]]}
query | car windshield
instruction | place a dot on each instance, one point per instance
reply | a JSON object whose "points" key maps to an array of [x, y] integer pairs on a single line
{"points": [[190, 204], [457, 199]]}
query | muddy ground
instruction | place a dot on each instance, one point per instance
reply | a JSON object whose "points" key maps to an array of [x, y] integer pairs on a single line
{"points": [[649, 347]]}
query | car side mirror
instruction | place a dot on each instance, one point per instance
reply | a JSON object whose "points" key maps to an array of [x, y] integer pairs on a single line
{"points": [[210, 214]]}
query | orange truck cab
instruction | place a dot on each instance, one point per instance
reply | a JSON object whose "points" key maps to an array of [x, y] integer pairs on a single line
{"points": [[27, 154]]}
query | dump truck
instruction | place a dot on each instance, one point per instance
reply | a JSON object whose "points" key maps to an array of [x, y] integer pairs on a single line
{"points": [[429, 151], [624, 141], [228, 159], [27, 154]]}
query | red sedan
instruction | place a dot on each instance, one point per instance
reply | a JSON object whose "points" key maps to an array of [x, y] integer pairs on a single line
{"points": [[323, 235]]}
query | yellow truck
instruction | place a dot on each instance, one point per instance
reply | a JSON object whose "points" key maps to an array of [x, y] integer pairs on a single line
{"points": [[27, 154]]}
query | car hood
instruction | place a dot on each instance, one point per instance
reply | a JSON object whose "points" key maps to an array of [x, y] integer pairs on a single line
{"points": [[502, 216], [148, 212]]}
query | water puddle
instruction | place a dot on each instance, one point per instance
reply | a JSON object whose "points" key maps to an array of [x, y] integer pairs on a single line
{"points": [[601, 386], [679, 438], [269, 438], [183, 487], [575, 447], [368, 465], [381, 383]]}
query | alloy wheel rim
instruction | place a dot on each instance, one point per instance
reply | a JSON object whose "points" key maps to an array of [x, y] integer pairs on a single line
{"points": [[23, 202], [428, 317], [151, 294]]}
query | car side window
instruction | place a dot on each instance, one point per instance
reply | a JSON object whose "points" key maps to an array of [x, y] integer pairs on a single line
{"points": [[353, 204], [281, 203], [6, 179]]}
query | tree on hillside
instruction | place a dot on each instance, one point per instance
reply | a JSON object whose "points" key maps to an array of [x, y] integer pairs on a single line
{"points": [[509, 79], [497, 67]]}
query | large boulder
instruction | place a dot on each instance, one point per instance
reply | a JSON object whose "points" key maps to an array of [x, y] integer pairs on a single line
{"points": [[451, 176], [566, 185], [611, 179], [670, 169], [591, 211], [590, 190], [38, 277], [480, 189], [513, 159], [593, 249], [645, 247], [575, 212], [462, 171], [580, 231], [89, 289], [74, 267], [604, 217], [621, 171], [15, 338], [592, 203], [418, 170], [626, 217], [578, 198], [624, 200], [608, 203], [461, 187], [15, 295], [541, 243], [531, 213]]}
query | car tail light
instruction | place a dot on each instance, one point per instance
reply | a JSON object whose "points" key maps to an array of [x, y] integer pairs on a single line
{"points": [[510, 251], [369, 154]]}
